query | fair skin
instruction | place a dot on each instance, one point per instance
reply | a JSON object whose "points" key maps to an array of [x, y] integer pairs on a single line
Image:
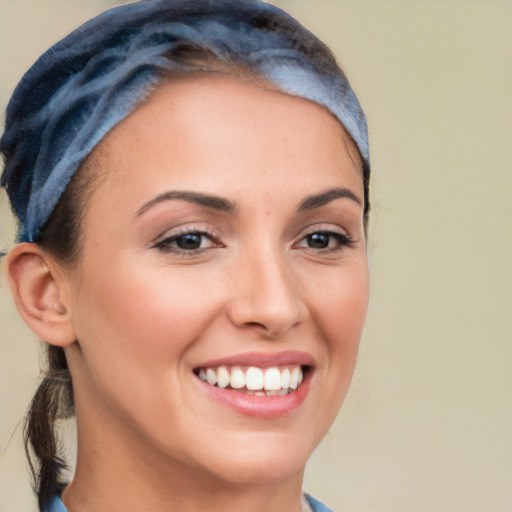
{"points": [[271, 273]]}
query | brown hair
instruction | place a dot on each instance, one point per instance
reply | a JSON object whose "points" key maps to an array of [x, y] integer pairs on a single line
{"points": [[53, 400]]}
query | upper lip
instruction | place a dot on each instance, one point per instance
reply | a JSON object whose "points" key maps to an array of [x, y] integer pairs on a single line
{"points": [[262, 359]]}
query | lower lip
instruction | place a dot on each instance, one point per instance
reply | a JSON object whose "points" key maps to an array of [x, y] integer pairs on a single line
{"points": [[260, 406]]}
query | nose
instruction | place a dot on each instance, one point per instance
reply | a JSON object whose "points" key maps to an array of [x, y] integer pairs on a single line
{"points": [[266, 297]]}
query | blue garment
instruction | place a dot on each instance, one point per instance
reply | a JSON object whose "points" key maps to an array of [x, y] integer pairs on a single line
{"points": [[56, 505], [315, 505], [96, 76]]}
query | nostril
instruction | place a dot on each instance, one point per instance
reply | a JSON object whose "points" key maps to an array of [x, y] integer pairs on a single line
{"points": [[256, 324]]}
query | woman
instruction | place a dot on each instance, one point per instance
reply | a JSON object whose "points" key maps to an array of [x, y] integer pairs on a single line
{"points": [[191, 184]]}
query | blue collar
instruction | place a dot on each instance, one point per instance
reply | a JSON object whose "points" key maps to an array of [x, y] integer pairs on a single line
{"points": [[56, 505]]}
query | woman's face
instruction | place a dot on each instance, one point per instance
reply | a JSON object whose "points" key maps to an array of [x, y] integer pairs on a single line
{"points": [[224, 241]]}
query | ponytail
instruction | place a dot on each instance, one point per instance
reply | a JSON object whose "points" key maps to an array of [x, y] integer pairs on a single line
{"points": [[53, 401]]}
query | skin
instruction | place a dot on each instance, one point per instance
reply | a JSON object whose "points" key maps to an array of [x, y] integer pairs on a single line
{"points": [[146, 314]]}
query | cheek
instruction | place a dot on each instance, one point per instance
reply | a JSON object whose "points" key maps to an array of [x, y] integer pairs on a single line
{"points": [[339, 308], [340, 304], [136, 325], [138, 316]]}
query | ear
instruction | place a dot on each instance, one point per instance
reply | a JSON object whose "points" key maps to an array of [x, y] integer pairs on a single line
{"points": [[39, 287]]}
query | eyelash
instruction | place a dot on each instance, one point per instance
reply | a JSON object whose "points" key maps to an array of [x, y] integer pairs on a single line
{"points": [[166, 245], [342, 240], [169, 244]]}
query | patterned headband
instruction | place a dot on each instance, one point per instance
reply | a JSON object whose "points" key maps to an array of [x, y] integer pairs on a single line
{"points": [[95, 77]]}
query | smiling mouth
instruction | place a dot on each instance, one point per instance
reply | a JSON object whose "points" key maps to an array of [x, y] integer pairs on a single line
{"points": [[252, 380]]}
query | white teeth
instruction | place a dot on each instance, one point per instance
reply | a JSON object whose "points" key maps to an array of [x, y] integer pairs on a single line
{"points": [[237, 378], [254, 378], [272, 379], [285, 378], [254, 381], [211, 377], [294, 377], [222, 377]]}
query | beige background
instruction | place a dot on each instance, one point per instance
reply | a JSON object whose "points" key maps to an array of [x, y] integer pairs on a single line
{"points": [[427, 425]]}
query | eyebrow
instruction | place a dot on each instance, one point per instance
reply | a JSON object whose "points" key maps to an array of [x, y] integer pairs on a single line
{"points": [[317, 200], [210, 201], [224, 205]]}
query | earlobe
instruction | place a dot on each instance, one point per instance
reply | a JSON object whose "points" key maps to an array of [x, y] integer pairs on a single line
{"points": [[39, 292]]}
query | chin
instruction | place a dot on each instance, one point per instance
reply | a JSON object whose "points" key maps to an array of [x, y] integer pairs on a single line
{"points": [[268, 470], [259, 460]]}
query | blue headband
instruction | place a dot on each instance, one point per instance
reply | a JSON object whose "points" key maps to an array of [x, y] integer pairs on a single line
{"points": [[95, 77]]}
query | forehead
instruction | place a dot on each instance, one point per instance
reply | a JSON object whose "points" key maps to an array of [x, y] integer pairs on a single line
{"points": [[206, 132]]}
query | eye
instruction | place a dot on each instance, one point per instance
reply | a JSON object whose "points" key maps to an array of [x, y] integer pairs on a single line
{"points": [[191, 241], [187, 242], [325, 241], [318, 240]]}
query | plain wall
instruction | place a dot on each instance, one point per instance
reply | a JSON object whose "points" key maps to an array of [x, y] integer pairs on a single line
{"points": [[427, 425]]}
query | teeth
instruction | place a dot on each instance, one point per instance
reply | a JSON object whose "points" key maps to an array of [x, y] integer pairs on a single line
{"points": [[294, 377], [272, 379], [237, 378], [222, 377], [254, 378], [211, 376], [285, 378], [254, 381]]}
